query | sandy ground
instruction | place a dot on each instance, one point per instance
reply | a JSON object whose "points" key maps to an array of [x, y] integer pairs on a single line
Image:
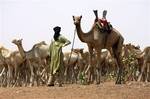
{"points": [[107, 90]]}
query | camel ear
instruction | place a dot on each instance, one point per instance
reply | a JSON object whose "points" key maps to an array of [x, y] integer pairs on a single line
{"points": [[73, 17], [43, 42], [21, 39], [13, 41], [80, 16], [138, 46], [81, 50]]}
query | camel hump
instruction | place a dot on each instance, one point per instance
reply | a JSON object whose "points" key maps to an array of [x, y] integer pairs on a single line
{"points": [[116, 31]]}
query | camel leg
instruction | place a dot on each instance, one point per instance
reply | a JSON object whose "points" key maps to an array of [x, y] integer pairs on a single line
{"points": [[2, 71], [118, 80], [39, 69], [74, 71], [117, 49], [142, 71], [147, 72], [32, 73], [9, 75], [37, 73], [66, 72], [1, 76], [89, 68], [98, 67], [16, 78]]}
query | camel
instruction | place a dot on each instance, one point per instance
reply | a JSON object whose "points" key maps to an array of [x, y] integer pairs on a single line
{"points": [[33, 57], [108, 63], [146, 64], [12, 60], [82, 59], [72, 63], [131, 61], [96, 40], [3, 66], [14, 63]]}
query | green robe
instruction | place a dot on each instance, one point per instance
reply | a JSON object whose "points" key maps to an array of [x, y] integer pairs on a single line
{"points": [[55, 49]]}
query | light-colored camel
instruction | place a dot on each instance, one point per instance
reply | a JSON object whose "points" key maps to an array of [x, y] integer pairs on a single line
{"points": [[108, 63], [72, 61], [14, 63], [12, 60], [146, 64], [33, 57], [85, 59], [3, 66], [97, 41]]}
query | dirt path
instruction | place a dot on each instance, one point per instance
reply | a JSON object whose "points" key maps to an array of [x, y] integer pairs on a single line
{"points": [[106, 90]]}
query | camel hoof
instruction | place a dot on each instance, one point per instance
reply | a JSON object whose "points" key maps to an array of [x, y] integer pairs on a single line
{"points": [[118, 82], [50, 85], [30, 85]]}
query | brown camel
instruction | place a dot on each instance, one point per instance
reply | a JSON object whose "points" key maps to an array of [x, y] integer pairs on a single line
{"points": [[146, 64], [131, 61], [33, 57], [96, 40]]}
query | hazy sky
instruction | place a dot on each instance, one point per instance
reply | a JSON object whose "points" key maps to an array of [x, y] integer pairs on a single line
{"points": [[33, 20]]}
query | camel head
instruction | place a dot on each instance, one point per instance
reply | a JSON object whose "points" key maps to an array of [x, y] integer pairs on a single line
{"points": [[77, 19], [39, 44], [42, 43], [78, 50], [3, 48], [17, 42]]}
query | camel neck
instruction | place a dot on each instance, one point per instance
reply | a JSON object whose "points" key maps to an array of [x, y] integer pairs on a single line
{"points": [[21, 50], [82, 36]]}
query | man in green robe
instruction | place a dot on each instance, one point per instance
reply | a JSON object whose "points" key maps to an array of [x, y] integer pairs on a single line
{"points": [[56, 57]]}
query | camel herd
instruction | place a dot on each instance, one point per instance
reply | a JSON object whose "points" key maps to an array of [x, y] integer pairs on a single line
{"points": [[120, 62], [30, 68], [22, 66]]}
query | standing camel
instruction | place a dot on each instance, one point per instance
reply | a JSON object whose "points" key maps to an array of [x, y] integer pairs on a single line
{"points": [[12, 60], [146, 64], [73, 63], [32, 57], [96, 41]]}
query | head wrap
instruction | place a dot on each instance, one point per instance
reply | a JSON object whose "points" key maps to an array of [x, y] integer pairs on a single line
{"points": [[57, 29]]}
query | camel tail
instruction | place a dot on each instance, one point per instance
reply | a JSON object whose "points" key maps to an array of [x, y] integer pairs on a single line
{"points": [[120, 44]]}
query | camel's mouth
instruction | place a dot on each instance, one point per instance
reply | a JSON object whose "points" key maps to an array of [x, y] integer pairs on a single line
{"points": [[13, 41], [75, 22]]}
